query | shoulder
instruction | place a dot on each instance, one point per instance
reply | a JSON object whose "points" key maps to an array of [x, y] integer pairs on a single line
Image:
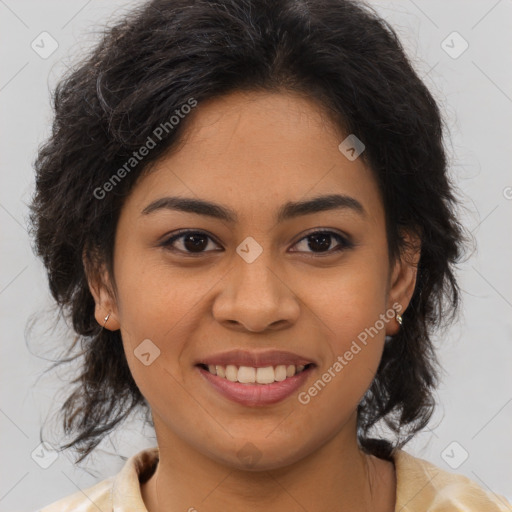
{"points": [[118, 492], [422, 485]]}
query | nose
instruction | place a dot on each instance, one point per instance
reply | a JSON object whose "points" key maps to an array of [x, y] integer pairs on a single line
{"points": [[254, 297]]}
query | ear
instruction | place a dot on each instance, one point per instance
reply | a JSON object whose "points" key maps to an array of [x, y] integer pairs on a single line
{"points": [[403, 279], [101, 289]]}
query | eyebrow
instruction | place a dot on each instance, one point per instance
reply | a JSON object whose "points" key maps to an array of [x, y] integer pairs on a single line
{"points": [[287, 211]]}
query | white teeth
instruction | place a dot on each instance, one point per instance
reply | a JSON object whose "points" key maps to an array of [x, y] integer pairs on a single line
{"points": [[280, 373], [246, 374], [265, 375], [250, 375], [231, 372]]}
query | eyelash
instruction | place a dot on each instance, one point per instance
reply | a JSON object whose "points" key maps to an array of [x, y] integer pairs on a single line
{"points": [[344, 242]]}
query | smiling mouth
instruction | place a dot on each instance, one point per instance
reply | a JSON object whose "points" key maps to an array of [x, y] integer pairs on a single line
{"points": [[251, 375]]}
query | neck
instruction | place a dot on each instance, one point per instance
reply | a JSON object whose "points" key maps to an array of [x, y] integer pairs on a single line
{"points": [[337, 477]]}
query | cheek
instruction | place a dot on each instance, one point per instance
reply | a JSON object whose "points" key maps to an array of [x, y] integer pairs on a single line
{"points": [[156, 321], [348, 301], [159, 308], [155, 297], [351, 307], [351, 356]]}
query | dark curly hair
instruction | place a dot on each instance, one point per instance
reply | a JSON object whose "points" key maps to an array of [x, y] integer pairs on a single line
{"points": [[151, 63]]}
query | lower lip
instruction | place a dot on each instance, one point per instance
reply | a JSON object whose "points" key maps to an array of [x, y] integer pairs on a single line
{"points": [[256, 394]]}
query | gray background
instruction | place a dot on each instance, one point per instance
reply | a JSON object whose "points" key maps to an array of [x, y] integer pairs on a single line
{"points": [[475, 92]]}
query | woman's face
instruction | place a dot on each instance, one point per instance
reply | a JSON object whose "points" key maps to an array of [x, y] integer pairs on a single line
{"points": [[257, 290]]}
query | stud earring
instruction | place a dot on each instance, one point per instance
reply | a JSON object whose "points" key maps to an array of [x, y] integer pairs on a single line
{"points": [[106, 319], [398, 318]]}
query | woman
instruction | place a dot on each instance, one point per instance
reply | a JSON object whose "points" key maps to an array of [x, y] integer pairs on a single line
{"points": [[245, 210]]}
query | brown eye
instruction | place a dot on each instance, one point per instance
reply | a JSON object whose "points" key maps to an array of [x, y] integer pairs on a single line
{"points": [[321, 242], [191, 242], [197, 242]]}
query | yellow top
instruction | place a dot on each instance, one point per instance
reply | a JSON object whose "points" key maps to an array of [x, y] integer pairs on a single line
{"points": [[421, 487]]}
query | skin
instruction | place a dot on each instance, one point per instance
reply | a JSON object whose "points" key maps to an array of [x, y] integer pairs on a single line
{"points": [[253, 152]]}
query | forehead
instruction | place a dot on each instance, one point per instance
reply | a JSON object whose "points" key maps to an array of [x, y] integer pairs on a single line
{"points": [[253, 152]]}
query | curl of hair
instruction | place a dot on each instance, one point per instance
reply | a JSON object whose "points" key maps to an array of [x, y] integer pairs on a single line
{"points": [[153, 61]]}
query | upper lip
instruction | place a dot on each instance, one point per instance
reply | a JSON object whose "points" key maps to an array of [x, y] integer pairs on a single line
{"points": [[256, 359]]}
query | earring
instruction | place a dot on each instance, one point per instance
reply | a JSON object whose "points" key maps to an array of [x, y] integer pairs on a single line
{"points": [[106, 319], [398, 318]]}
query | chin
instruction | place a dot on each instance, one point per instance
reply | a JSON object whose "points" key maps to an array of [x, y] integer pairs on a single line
{"points": [[260, 454]]}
